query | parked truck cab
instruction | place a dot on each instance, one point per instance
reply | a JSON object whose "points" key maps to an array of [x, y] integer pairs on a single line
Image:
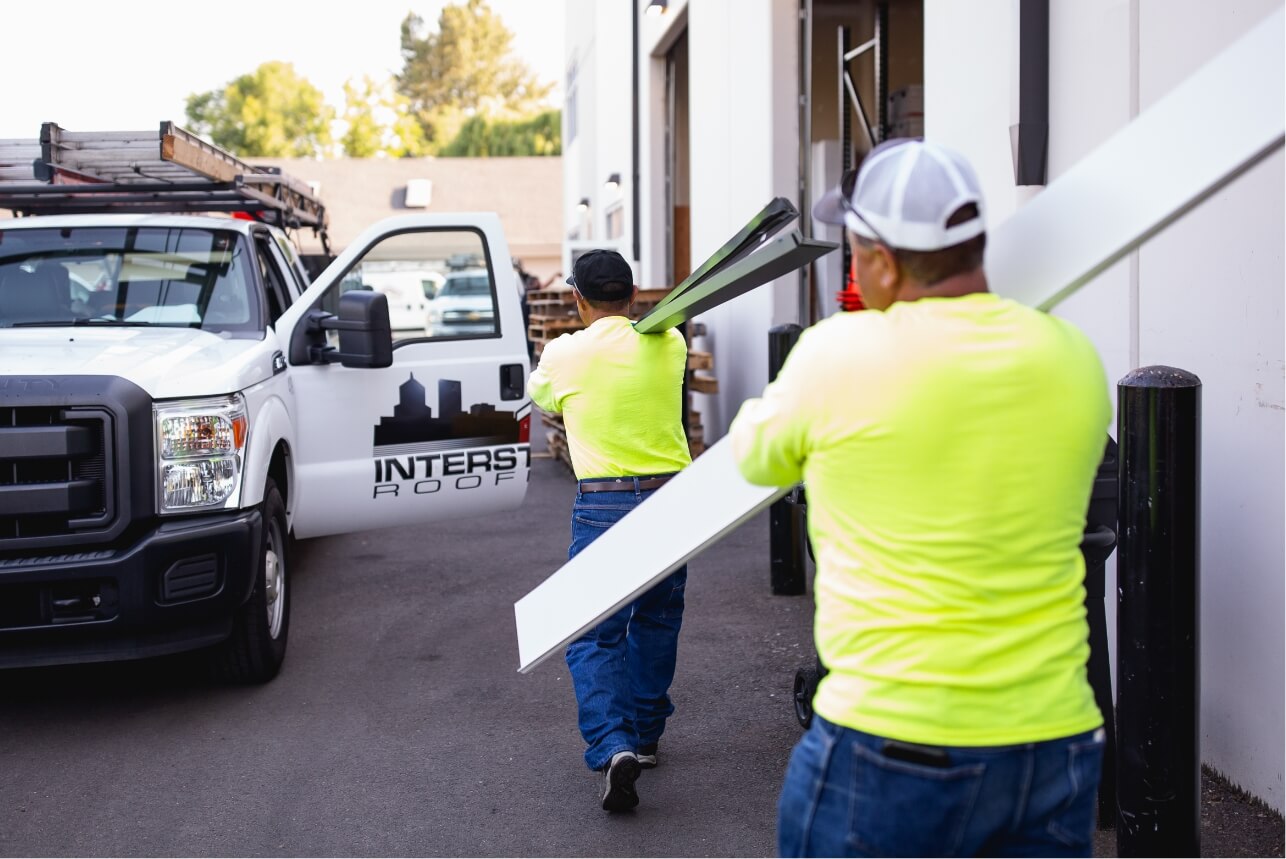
{"points": [[177, 401]]}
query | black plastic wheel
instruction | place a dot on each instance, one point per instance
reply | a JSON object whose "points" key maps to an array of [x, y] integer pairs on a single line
{"points": [[802, 695]]}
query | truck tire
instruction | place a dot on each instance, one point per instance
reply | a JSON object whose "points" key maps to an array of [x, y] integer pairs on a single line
{"points": [[256, 648]]}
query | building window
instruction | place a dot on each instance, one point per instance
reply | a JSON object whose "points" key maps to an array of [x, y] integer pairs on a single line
{"points": [[571, 115], [570, 111], [615, 221]]}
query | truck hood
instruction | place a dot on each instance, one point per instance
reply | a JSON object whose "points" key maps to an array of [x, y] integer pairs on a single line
{"points": [[166, 362]]}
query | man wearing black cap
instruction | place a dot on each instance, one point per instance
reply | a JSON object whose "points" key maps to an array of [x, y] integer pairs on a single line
{"points": [[949, 440], [621, 397]]}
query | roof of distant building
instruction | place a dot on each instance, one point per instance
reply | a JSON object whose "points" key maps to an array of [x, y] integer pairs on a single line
{"points": [[525, 192]]}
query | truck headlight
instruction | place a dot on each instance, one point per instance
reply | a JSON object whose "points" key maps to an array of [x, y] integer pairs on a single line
{"points": [[200, 446]]}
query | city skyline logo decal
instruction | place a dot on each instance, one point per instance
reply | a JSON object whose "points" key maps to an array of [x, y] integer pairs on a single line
{"points": [[420, 453], [413, 428]]}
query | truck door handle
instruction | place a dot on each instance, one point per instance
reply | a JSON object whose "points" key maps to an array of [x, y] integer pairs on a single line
{"points": [[511, 382]]}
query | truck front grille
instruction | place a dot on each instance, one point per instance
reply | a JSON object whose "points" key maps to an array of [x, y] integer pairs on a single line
{"points": [[63, 603], [55, 476]]}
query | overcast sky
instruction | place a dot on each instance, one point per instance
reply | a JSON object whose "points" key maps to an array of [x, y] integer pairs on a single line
{"points": [[102, 65]]}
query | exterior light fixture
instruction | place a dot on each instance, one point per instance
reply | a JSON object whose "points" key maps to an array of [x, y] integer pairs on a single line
{"points": [[656, 7], [613, 182], [583, 205]]}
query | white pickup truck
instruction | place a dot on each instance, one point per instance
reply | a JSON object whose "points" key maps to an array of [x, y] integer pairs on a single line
{"points": [[176, 400]]}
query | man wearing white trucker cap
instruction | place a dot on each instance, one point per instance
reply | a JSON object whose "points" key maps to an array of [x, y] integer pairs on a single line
{"points": [[949, 440]]}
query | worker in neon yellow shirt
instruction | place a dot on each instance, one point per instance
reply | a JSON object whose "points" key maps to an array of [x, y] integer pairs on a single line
{"points": [[621, 397], [948, 439]]}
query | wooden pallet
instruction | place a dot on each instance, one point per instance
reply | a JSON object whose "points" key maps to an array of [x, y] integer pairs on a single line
{"points": [[696, 433], [557, 443], [703, 384], [543, 330], [700, 361], [553, 313], [555, 294]]}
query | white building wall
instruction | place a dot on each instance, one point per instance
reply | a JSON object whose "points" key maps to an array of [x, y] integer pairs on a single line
{"points": [[968, 51], [1205, 295], [744, 146], [613, 121], [598, 45], [578, 86], [1210, 301], [658, 33], [1089, 101]]}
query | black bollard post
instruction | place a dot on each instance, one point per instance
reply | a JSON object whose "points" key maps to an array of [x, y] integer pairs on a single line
{"points": [[1158, 698], [1097, 545], [787, 529]]}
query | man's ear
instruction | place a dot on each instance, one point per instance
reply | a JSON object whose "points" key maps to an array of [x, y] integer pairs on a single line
{"points": [[634, 294], [889, 272]]}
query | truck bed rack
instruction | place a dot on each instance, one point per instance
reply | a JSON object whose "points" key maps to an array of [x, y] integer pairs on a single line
{"points": [[167, 171]]}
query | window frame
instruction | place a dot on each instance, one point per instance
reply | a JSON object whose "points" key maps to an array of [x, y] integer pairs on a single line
{"points": [[498, 331]]}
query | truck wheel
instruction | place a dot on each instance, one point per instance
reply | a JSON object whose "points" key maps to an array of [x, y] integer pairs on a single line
{"points": [[257, 646], [802, 694]]}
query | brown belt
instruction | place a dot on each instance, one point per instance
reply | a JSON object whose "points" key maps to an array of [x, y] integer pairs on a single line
{"points": [[623, 484]]}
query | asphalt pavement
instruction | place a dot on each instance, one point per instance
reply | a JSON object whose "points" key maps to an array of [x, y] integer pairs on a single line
{"points": [[399, 724]]}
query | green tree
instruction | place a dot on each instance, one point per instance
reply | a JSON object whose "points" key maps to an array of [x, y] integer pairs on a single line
{"points": [[479, 137], [364, 136], [379, 122], [464, 69], [270, 112], [408, 134]]}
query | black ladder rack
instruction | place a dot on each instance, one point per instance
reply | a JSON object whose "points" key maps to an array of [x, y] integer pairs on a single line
{"points": [[170, 170]]}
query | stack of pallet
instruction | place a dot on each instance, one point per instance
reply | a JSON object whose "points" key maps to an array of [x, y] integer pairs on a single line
{"points": [[701, 380], [553, 313]]}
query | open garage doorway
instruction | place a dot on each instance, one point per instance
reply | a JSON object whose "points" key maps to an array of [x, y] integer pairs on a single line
{"points": [[862, 75], [678, 221]]}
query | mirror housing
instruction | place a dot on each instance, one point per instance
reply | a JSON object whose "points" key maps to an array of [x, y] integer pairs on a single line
{"points": [[365, 334]]}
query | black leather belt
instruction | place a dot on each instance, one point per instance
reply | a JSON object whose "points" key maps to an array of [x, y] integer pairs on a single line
{"points": [[641, 483]]}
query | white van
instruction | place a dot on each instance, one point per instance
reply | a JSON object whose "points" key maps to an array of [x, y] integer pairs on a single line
{"points": [[409, 293]]}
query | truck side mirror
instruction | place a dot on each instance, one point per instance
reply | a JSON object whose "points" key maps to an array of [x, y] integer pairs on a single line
{"points": [[369, 340], [365, 335]]}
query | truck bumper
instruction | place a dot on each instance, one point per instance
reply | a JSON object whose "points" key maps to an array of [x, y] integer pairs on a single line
{"points": [[176, 588]]}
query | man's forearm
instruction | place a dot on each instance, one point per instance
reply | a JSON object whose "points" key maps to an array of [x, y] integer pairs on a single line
{"points": [[761, 446]]}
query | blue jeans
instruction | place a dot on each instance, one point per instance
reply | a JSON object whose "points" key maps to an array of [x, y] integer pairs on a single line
{"points": [[846, 794], [622, 668]]}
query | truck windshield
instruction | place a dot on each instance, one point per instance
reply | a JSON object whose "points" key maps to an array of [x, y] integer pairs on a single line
{"points": [[146, 276]]}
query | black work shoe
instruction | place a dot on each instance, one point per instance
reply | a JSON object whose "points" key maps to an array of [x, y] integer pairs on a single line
{"points": [[619, 777], [647, 756]]}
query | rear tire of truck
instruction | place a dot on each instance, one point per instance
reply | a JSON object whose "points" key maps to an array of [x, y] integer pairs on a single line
{"points": [[255, 650]]}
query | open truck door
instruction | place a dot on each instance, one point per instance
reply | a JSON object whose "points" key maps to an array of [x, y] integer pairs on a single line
{"points": [[434, 425]]}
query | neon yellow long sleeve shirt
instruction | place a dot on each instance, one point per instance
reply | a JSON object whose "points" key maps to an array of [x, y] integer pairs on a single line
{"points": [[948, 447], [621, 397]]}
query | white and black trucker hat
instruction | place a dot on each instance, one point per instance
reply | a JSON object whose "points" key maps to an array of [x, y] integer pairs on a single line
{"points": [[904, 193]]}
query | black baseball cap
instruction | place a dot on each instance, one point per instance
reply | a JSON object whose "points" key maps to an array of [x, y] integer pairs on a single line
{"points": [[602, 275]]}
